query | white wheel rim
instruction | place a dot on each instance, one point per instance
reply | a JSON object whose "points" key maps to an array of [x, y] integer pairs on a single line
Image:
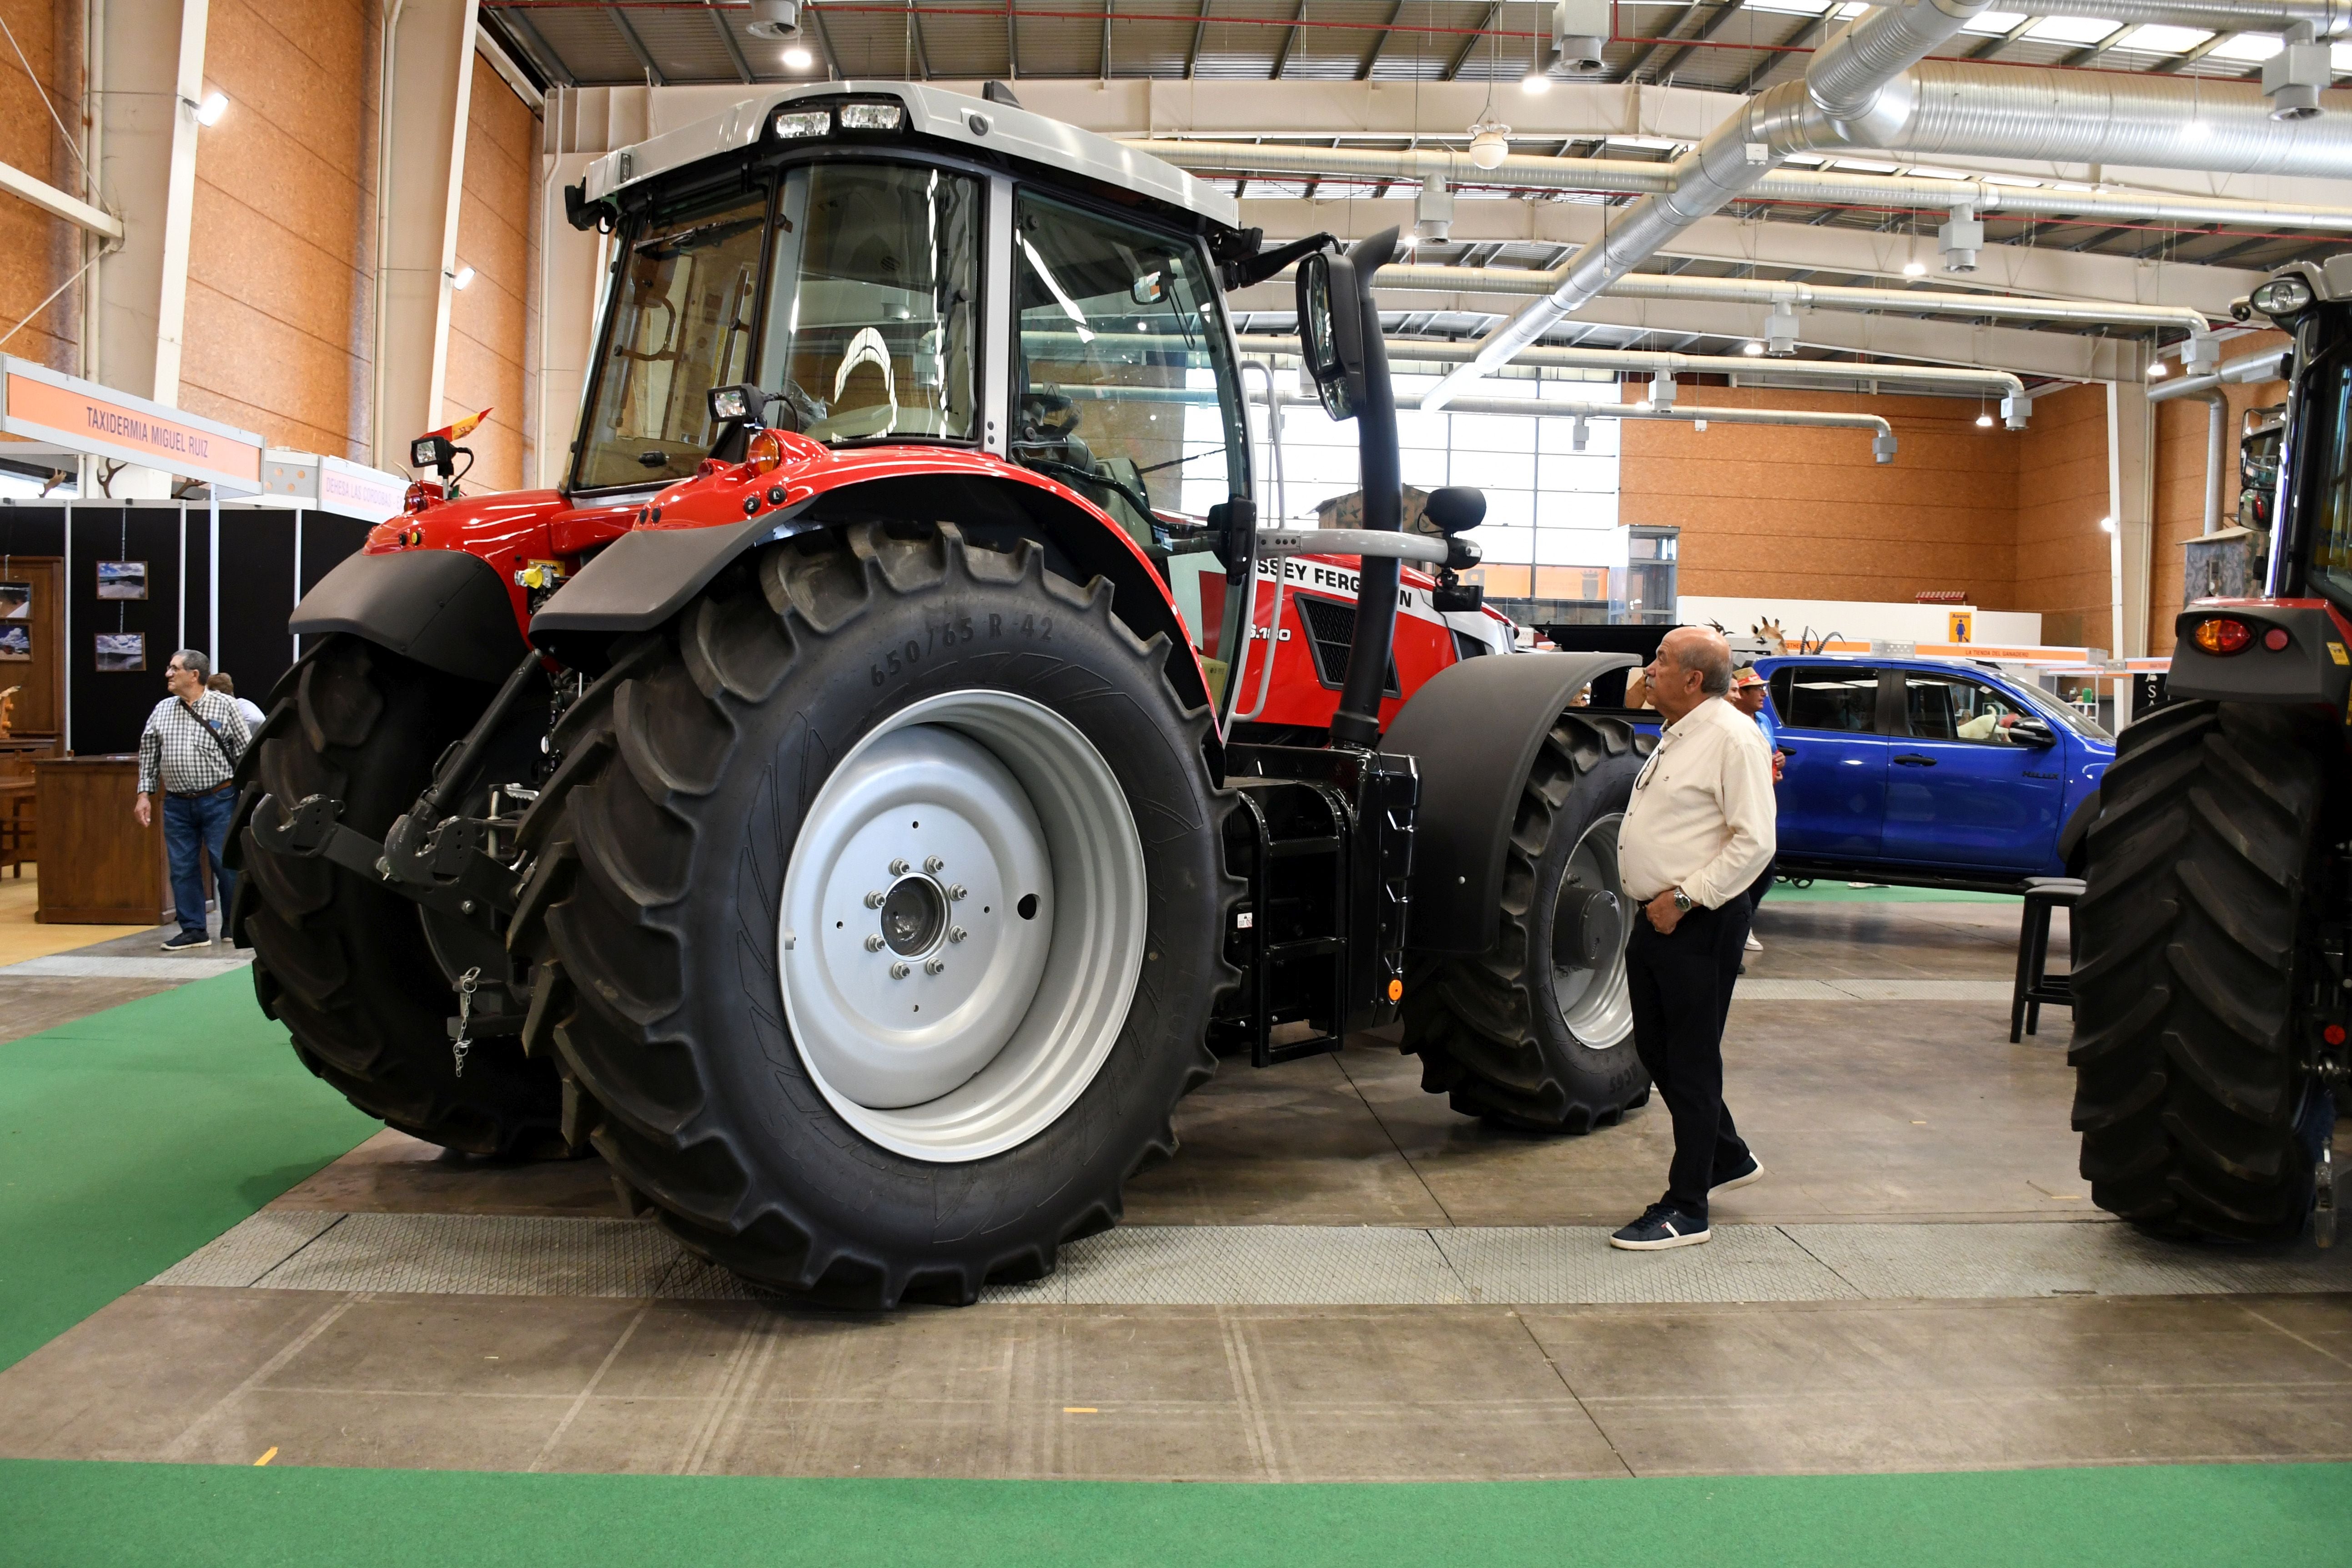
{"points": [[1592, 919], [937, 1017]]}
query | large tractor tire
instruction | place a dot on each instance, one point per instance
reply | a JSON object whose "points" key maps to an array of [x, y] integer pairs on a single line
{"points": [[1536, 1033], [2197, 1114], [880, 910], [343, 964]]}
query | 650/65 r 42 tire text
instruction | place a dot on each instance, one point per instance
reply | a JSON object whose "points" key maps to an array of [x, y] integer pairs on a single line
{"points": [[882, 900], [1538, 1032], [343, 964], [2194, 936]]}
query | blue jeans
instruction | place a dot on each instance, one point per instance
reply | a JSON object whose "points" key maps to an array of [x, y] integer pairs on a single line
{"points": [[194, 828]]}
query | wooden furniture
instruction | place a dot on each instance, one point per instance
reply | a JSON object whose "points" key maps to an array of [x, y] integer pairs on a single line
{"points": [[99, 867], [17, 843]]}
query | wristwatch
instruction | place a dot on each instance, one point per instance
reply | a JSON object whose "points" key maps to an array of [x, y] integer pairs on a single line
{"points": [[1682, 900]]}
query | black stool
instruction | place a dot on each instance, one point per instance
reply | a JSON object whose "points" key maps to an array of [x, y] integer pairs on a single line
{"points": [[2043, 894]]}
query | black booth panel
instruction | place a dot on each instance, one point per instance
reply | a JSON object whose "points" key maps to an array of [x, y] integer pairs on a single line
{"points": [[256, 595], [327, 540], [109, 710], [31, 531]]}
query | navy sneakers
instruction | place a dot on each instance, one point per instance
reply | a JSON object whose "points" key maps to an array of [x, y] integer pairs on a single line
{"points": [[1661, 1225], [1754, 1173], [187, 939]]}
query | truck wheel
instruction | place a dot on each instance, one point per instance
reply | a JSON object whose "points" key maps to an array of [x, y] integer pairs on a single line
{"points": [[344, 965], [1537, 1033], [884, 898], [2195, 1107]]}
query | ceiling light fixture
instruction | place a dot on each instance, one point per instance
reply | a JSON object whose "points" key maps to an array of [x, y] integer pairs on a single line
{"points": [[1490, 144], [1984, 419], [1751, 348], [798, 59], [209, 112], [1914, 268], [462, 278], [2107, 525], [2157, 370], [775, 19]]}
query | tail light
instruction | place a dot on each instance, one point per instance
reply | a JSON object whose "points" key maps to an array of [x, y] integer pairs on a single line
{"points": [[2223, 635]]}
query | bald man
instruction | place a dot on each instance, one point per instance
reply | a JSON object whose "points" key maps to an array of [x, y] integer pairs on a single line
{"points": [[1697, 835]]}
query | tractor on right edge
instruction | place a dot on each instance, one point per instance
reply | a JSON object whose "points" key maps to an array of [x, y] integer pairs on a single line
{"points": [[2212, 991]]}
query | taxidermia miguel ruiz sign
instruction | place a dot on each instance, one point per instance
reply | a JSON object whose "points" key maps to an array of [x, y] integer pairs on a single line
{"points": [[65, 414]]}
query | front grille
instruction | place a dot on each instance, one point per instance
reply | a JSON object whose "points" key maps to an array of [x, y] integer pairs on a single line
{"points": [[1330, 627]]}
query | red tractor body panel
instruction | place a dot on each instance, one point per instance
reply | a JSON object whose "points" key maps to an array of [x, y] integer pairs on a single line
{"points": [[513, 529]]}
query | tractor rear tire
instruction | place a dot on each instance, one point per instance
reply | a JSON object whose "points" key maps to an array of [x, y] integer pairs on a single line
{"points": [[343, 964], [723, 1032], [2197, 1112], [1536, 1033]]}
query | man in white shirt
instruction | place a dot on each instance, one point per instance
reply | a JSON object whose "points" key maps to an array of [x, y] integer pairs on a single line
{"points": [[1697, 835]]}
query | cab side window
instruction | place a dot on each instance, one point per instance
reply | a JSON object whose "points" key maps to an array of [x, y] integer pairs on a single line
{"points": [[1840, 698], [1954, 707]]}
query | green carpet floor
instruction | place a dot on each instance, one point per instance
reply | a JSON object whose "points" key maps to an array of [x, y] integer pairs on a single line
{"points": [[2243, 1516], [131, 1138]]}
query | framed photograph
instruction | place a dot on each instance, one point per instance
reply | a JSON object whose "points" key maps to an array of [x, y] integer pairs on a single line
{"points": [[120, 652], [16, 643], [16, 601], [122, 579]]}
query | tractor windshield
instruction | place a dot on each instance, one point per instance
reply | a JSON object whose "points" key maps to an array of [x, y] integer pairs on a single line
{"points": [[875, 301], [2326, 498], [682, 319], [1124, 385]]}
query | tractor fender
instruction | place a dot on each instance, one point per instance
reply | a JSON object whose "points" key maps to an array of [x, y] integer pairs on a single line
{"points": [[446, 609], [649, 574], [1473, 731]]}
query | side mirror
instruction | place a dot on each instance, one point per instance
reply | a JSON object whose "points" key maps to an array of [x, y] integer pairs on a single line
{"points": [[1331, 332], [2032, 732], [1456, 508]]}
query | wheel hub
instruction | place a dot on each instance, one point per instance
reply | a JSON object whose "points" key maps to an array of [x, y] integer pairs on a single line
{"points": [[962, 925], [1591, 922]]}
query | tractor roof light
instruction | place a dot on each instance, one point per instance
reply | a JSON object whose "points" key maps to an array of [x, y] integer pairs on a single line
{"points": [[2222, 636], [873, 116], [794, 123], [2280, 297]]}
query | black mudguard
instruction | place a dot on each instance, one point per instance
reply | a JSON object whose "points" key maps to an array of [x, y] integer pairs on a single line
{"points": [[1473, 731], [444, 608]]}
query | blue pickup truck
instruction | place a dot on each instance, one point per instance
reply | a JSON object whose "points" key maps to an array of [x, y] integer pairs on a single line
{"points": [[1928, 772]]}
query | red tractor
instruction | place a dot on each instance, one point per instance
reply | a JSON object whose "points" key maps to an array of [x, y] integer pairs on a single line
{"points": [[2212, 993], [897, 764]]}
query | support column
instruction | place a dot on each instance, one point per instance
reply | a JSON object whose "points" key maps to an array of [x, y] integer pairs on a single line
{"points": [[148, 72], [428, 86], [2131, 503], [571, 314]]}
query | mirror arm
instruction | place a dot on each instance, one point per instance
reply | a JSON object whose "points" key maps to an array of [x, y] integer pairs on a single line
{"points": [[1259, 268], [1357, 720]]}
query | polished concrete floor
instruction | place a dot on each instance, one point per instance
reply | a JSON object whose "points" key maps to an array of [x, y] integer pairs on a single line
{"points": [[1914, 1113]]}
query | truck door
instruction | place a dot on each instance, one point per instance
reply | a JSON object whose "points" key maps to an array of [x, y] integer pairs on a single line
{"points": [[1833, 791], [1959, 791]]}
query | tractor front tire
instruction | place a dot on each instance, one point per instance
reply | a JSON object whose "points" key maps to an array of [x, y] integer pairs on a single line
{"points": [[875, 802], [1536, 1033], [342, 962], [2197, 1112]]}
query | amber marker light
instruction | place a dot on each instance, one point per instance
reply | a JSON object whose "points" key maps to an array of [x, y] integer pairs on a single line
{"points": [[2221, 636]]}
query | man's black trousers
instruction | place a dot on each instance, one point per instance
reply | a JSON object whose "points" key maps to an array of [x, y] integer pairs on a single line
{"points": [[1681, 987]]}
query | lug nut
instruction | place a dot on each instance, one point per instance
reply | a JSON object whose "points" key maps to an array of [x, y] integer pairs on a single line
{"points": [[873, 943], [956, 891], [898, 971], [900, 867], [957, 933], [874, 901], [933, 965], [935, 865]]}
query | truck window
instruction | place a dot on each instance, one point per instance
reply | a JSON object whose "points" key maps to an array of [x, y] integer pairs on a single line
{"points": [[1954, 707], [1839, 699]]}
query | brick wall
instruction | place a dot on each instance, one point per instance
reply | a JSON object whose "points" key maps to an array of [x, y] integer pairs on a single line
{"points": [[40, 252], [2063, 554], [280, 270], [1809, 513]]}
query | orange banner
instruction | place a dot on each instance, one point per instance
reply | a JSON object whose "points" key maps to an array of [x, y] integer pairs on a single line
{"points": [[77, 418]]}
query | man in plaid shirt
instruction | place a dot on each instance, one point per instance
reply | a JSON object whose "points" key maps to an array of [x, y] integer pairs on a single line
{"points": [[189, 750]]}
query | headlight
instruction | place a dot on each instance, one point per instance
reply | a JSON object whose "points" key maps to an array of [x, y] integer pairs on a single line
{"points": [[872, 116], [2280, 297], [795, 122]]}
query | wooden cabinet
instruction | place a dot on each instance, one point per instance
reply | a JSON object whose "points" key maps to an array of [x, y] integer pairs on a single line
{"points": [[99, 867]]}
